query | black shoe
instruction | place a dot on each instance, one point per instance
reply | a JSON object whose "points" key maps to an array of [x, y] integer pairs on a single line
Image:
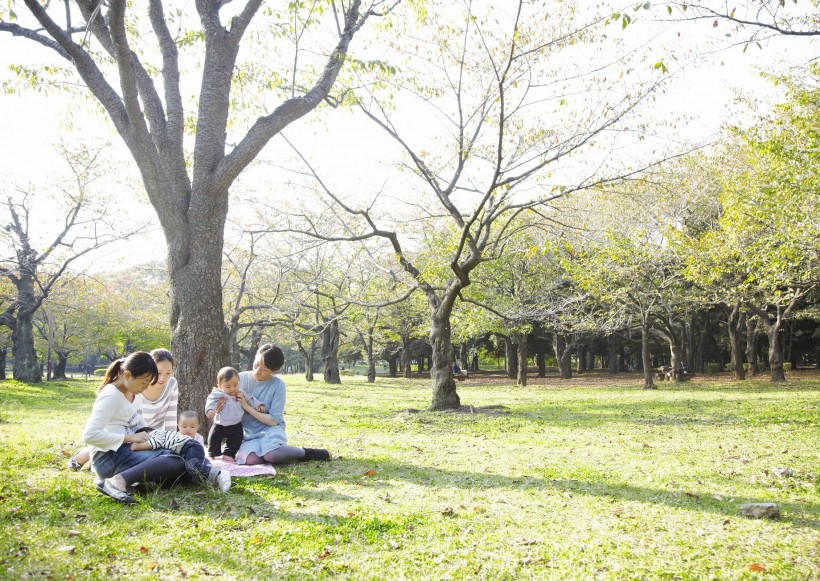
{"points": [[319, 454]]}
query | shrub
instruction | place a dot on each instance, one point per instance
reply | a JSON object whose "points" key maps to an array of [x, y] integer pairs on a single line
{"points": [[787, 366], [711, 368]]}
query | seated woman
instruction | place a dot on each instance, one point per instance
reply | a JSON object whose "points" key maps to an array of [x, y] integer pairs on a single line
{"points": [[265, 438], [158, 403], [116, 422]]}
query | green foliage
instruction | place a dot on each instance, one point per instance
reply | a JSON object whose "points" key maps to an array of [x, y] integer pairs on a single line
{"points": [[712, 368]]}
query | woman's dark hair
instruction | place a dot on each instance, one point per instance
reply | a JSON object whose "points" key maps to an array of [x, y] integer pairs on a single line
{"points": [[272, 356], [160, 355], [226, 374], [138, 364]]}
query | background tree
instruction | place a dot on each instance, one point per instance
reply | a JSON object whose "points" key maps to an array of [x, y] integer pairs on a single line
{"points": [[42, 247], [491, 159], [141, 89]]}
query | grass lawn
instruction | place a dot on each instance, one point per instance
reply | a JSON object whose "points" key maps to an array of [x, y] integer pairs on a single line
{"points": [[583, 479]]}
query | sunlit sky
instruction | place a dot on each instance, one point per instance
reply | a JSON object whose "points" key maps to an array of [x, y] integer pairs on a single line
{"points": [[699, 100]]}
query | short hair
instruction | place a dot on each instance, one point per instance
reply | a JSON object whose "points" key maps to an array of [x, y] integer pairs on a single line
{"points": [[225, 374], [272, 356], [188, 415], [160, 355]]}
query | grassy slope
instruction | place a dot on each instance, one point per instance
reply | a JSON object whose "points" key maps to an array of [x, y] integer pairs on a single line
{"points": [[573, 480]]}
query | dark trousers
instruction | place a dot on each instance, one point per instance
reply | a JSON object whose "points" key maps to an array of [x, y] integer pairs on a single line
{"points": [[233, 439]]}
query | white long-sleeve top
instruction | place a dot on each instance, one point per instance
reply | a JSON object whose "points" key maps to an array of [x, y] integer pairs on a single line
{"points": [[112, 417]]}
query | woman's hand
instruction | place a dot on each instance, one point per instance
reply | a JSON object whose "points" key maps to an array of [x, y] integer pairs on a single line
{"points": [[135, 438]]}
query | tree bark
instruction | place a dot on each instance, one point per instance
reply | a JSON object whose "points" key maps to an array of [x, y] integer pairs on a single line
{"points": [[406, 372], [612, 349], [648, 382], [752, 344], [521, 340], [510, 357], [3, 352], [330, 351], [392, 366], [562, 355], [58, 371], [581, 363], [541, 362], [26, 368], [735, 322], [441, 373], [775, 352]]}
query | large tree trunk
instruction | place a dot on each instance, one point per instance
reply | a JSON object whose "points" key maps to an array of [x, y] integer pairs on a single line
{"points": [[441, 373], [330, 351], [562, 355], [752, 344], [735, 323], [648, 382], [521, 341], [3, 352], [199, 336], [26, 367], [392, 366], [465, 353]]}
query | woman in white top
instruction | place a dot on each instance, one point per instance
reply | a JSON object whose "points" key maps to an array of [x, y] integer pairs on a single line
{"points": [[116, 422], [158, 402]]}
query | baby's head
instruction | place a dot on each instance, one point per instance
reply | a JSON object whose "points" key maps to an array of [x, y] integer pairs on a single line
{"points": [[188, 423], [227, 380]]}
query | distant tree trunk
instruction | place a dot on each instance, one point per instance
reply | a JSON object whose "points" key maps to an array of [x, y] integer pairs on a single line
{"points": [[541, 362], [510, 357], [406, 372], [581, 363], [612, 349], [752, 344], [646, 360], [475, 362], [58, 371], [521, 341], [371, 360], [735, 322], [330, 351], [392, 366], [775, 353], [562, 355], [307, 355], [465, 353], [26, 368], [3, 352]]}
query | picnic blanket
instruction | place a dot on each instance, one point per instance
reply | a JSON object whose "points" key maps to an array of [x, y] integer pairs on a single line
{"points": [[242, 470]]}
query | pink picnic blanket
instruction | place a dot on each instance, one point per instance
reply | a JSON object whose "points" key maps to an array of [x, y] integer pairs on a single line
{"points": [[245, 469]]}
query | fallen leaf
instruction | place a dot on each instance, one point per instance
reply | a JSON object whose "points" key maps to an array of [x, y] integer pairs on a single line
{"points": [[529, 543], [351, 514], [757, 567], [618, 511], [478, 509], [715, 23], [73, 533], [692, 495], [143, 550], [447, 511], [68, 549], [371, 472], [256, 540], [324, 554], [462, 507], [174, 504], [153, 566], [726, 522]]}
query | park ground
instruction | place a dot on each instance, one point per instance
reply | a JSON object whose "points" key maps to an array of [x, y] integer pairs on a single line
{"points": [[591, 478]]}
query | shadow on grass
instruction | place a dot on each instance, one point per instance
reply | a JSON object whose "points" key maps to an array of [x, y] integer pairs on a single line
{"points": [[349, 471]]}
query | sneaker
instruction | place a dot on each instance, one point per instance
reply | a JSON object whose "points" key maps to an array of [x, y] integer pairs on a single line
{"points": [[223, 481], [319, 454]]}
